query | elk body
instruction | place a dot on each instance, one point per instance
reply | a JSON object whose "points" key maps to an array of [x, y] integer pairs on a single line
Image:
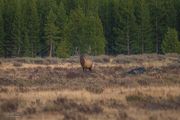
{"points": [[86, 63]]}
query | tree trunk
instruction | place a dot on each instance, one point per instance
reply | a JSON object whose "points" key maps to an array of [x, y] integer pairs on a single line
{"points": [[19, 49], [32, 50], [157, 41], [128, 44], [142, 41], [127, 37], [50, 49]]}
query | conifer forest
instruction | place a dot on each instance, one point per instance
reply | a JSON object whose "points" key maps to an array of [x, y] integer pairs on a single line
{"points": [[62, 28]]}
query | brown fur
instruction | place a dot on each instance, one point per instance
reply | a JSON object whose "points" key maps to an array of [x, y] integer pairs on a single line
{"points": [[86, 63]]}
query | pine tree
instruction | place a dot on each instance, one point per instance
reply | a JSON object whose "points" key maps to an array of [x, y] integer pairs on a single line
{"points": [[9, 43], [62, 45], [178, 16], [61, 21], [51, 31], [17, 36], [85, 32], [94, 35], [26, 48], [1, 31], [88, 6], [63, 50], [131, 28], [171, 43], [124, 31], [32, 22], [43, 7], [159, 20], [105, 10], [61, 16], [70, 5], [170, 14], [74, 30], [144, 26]]}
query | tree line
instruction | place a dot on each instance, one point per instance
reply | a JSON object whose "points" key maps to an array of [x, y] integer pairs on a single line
{"points": [[30, 28]]}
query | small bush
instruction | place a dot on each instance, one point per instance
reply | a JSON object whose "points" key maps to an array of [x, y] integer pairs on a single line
{"points": [[150, 102], [17, 64], [73, 75], [154, 117], [23, 60], [90, 109], [5, 90], [10, 105], [124, 116], [30, 110], [113, 103], [40, 61], [103, 59], [95, 89], [52, 61], [66, 105]]}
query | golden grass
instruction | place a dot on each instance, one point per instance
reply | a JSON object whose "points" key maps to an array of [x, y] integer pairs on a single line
{"points": [[71, 84], [83, 95]]}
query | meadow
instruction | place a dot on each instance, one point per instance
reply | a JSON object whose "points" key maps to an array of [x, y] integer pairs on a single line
{"points": [[135, 87]]}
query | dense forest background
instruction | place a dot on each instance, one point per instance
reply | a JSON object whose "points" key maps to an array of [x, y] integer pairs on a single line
{"points": [[30, 28]]}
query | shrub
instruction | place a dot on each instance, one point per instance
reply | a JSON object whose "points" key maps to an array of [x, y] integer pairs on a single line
{"points": [[17, 64], [95, 88], [10, 105], [30, 110]]}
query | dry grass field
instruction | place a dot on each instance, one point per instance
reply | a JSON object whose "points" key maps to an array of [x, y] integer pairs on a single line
{"points": [[138, 87]]}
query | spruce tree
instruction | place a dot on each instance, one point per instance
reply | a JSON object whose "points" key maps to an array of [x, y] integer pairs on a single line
{"points": [[61, 16], [51, 31], [74, 30], [85, 32], [63, 49], [171, 43], [61, 21], [26, 48], [144, 27], [124, 31], [131, 28], [43, 7], [158, 20], [17, 35], [32, 22], [94, 35], [88, 6], [105, 16], [70, 5], [170, 13], [62, 45], [1, 30], [178, 16], [9, 43]]}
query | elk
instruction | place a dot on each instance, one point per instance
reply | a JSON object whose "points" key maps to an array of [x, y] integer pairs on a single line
{"points": [[86, 63]]}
